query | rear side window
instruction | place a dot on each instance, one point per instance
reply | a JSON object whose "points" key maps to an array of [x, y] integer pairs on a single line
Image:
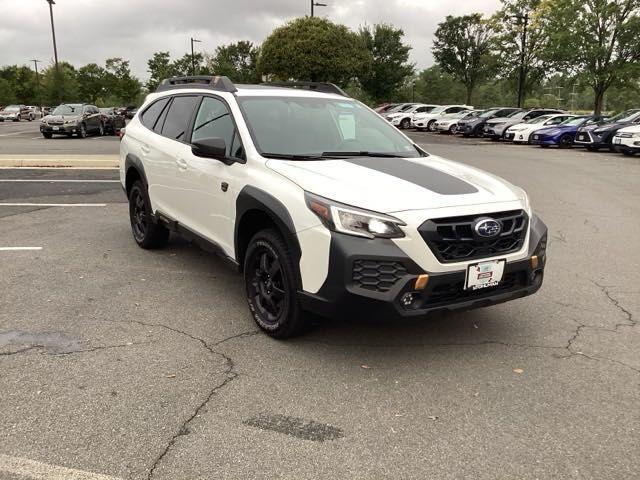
{"points": [[150, 116], [178, 117]]}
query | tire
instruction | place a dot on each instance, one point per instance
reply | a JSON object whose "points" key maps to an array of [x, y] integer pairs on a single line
{"points": [[405, 123], [47, 135], [626, 153], [271, 285], [146, 232], [566, 141], [544, 146], [430, 125], [101, 131], [452, 129], [591, 148], [82, 133]]}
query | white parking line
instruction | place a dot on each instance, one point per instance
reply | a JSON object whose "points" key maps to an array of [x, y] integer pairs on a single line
{"points": [[10, 180], [16, 133], [34, 470], [18, 249], [53, 204]]}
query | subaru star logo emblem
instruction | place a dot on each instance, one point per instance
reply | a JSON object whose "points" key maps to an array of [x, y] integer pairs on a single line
{"points": [[487, 227]]}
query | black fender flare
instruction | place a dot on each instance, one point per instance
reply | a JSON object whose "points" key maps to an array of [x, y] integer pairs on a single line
{"points": [[132, 161], [252, 198]]}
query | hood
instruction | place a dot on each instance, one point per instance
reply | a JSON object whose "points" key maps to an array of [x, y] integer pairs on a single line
{"points": [[390, 185], [630, 129], [64, 118], [551, 130]]}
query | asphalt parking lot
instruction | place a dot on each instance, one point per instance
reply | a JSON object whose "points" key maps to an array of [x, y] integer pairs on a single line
{"points": [[119, 363]]}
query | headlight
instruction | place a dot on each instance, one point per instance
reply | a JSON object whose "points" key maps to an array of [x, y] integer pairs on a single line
{"points": [[600, 130], [353, 221], [496, 124], [70, 122], [635, 135]]}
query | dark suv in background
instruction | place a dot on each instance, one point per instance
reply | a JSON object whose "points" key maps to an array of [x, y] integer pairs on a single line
{"points": [[595, 137], [73, 118], [472, 127]]}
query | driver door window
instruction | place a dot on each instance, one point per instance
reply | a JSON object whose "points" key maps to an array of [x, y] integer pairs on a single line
{"points": [[215, 121]]}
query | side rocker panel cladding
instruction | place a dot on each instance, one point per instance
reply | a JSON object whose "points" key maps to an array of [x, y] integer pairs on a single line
{"points": [[252, 198]]}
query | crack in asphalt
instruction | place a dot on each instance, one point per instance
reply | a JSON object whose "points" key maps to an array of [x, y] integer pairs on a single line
{"points": [[230, 372], [8, 354]]}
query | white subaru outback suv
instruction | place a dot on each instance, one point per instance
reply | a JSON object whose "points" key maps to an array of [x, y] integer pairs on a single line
{"points": [[322, 204]]}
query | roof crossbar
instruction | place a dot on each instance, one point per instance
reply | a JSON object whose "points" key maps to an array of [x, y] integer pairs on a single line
{"points": [[219, 83], [323, 87]]}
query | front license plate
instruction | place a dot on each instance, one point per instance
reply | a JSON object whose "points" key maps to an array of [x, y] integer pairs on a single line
{"points": [[484, 274], [55, 128], [617, 140]]}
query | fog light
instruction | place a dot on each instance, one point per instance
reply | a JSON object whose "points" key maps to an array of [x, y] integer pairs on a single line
{"points": [[407, 299], [534, 262]]}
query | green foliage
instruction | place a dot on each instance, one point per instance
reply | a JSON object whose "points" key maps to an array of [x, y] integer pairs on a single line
{"points": [[462, 48], [509, 43], [390, 65], [91, 82], [161, 66], [598, 40], [60, 85], [119, 84], [313, 49], [238, 61]]}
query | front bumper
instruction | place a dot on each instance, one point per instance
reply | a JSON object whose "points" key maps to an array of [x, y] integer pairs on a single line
{"points": [[373, 277], [59, 129], [622, 148], [493, 131]]}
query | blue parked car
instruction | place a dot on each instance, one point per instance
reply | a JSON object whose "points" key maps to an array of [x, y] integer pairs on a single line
{"points": [[564, 133]]}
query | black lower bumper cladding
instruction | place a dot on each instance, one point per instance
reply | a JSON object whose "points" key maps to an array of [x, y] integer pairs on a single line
{"points": [[384, 275]]}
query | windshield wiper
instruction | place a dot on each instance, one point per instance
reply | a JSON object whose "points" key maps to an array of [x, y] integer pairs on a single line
{"points": [[361, 154], [292, 156]]}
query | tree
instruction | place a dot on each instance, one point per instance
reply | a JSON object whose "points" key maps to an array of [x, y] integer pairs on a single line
{"points": [[390, 65], [160, 67], [91, 82], [238, 61], [433, 85], [519, 44], [313, 49], [60, 85], [599, 40], [119, 82], [462, 48]]}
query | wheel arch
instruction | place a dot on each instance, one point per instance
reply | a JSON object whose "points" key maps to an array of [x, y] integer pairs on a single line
{"points": [[257, 210], [134, 170]]}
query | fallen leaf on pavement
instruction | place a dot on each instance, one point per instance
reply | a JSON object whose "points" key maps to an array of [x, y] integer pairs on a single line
{"points": [[518, 370], [365, 366], [171, 375]]}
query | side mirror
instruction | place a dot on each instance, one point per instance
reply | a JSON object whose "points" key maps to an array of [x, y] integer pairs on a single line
{"points": [[212, 147]]}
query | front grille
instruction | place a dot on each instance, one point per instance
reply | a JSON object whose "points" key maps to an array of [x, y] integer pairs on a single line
{"points": [[377, 275], [454, 292], [453, 239], [55, 122]]}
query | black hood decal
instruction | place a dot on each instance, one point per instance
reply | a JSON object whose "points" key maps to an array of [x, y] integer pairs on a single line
{"points": [[416, 173]]}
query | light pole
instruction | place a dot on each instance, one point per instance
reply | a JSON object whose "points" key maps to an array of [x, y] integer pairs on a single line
{"points": [[316, 4], [35, 62], [193, 56], [53, 32], [523, 42]]}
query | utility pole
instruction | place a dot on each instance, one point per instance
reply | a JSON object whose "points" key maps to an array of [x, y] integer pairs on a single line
{"points": [[316, 4], [525, 23], [35, 62], [58, 77], [573, 97], [193, 56]]}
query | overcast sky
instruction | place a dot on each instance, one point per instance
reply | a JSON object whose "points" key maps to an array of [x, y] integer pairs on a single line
{"points": [[94, 30]]}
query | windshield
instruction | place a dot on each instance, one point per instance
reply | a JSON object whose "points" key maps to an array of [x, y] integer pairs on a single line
{"points": [[623, 115], [517, 115], [540, 119], [12, 108], [572, 122], [462, 114], [631, 118], [68, 109], [306, 126], [488, 113]]}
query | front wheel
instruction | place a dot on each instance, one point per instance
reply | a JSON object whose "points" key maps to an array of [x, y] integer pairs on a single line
{"points": [[101, 131], [431, 126], [147, 233], [82, 132], [405, 123], [565, 141], [271, 285]]}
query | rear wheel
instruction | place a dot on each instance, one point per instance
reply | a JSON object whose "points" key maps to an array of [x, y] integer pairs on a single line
{"points": [[271, 285], [566, 141], [146, 232]]}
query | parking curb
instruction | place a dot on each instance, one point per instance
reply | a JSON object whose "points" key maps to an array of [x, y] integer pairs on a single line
{"points": [[62, 161]]}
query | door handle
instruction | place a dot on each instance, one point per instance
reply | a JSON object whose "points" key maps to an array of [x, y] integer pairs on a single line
{"points": [[145, 149], [182, 164]]}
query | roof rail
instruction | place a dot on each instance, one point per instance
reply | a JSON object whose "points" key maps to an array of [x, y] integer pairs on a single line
{"points": [[323, 87], [219, 83]]}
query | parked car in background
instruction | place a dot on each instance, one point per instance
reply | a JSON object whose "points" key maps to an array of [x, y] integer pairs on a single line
{"points": [[72, 118], [404, 118], [496, 128], [112, 121], [14, 113], [128, 112], [46, 111], [563, 134], [627, 140], [473, 126], [449, 123], [427, 120], [595, 137], [34, 113], [521, 132], [385, 107]]}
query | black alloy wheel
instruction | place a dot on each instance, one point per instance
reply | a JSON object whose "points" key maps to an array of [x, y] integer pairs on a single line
{"points": [[405, 123], [566, 141], [267, 287], [146, 231], [82, 132]]}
